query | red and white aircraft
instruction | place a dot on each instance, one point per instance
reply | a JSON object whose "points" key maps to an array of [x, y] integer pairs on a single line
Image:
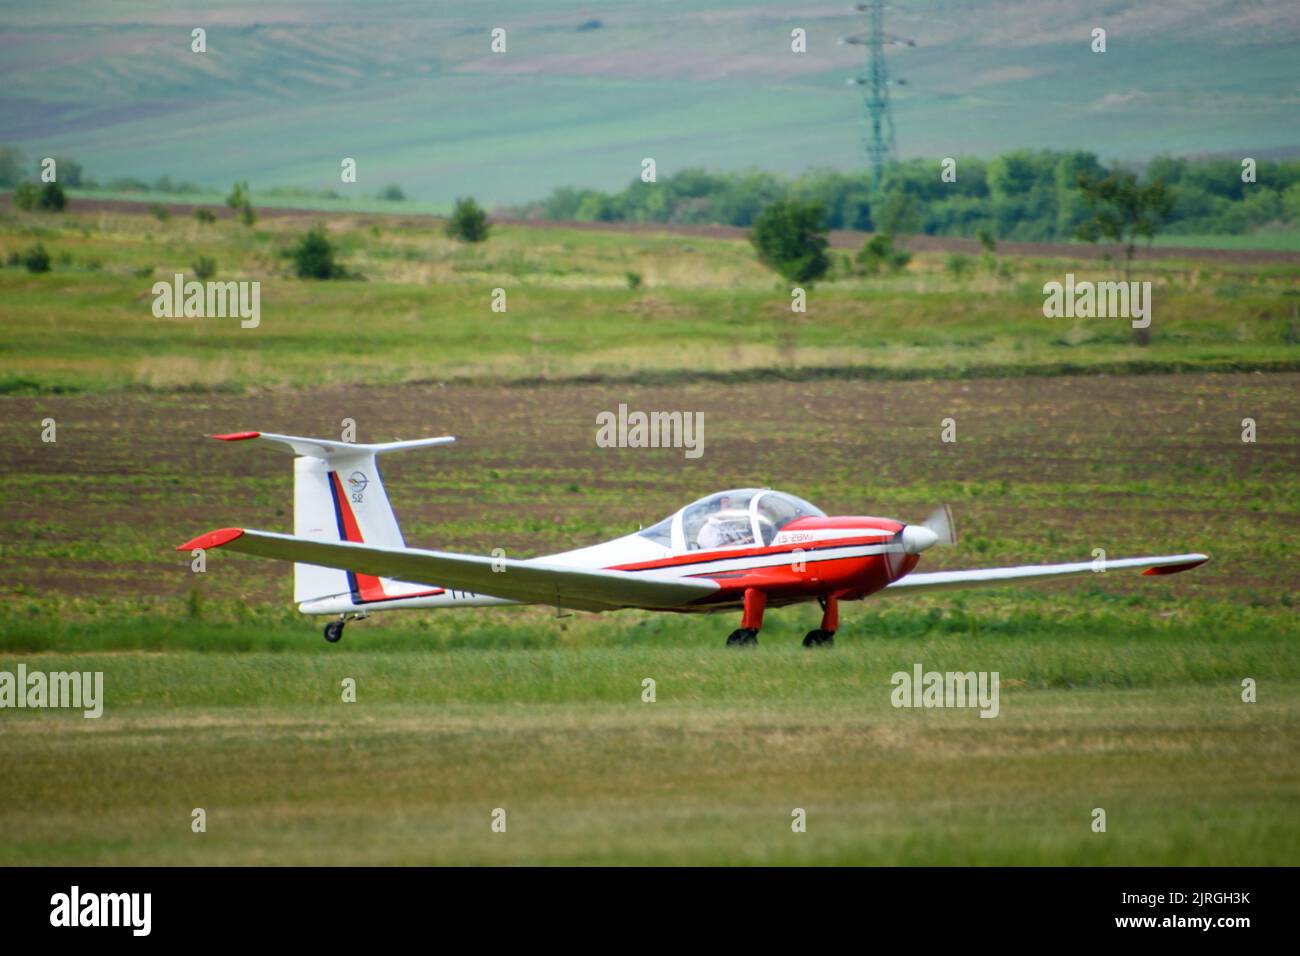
{"points": [[746, 549]]}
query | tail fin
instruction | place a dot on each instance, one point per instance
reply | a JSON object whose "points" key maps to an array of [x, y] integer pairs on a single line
{"points": [[338, 495]]}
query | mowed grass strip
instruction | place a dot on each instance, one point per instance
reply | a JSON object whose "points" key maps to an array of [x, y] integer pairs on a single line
{"points": [[588, 773]]}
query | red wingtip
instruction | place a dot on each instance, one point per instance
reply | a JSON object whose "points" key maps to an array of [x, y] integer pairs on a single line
{"points": [[236, 436], [1175, 568], [213, 539]]}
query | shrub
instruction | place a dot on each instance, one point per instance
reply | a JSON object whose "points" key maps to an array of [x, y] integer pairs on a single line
{"points": [[205, 267], [634, 280], [789, 238], [205, 216], [468, 221], [241, 200], [878, 252], [53, 198], [313, 256], [36, 259], [392, 193], [160, 212], [959, 265], [26, 196]]}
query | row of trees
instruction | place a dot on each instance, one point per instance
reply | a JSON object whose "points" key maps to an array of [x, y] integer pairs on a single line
{"points": [[790, 236], [1030, 195], [16, 167]]}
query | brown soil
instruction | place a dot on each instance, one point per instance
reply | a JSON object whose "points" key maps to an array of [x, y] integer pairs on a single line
{"points": [[1042, 467]]}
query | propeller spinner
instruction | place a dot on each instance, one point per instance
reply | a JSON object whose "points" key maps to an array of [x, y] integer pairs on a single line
{"points": [[936, 529]]}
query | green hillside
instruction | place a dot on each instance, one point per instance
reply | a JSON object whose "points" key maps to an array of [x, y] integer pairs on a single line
{"points": [[583, 94]]}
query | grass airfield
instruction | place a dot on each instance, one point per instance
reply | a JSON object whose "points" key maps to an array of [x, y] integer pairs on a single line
{"points": [[709, 773], [1122, 693]]}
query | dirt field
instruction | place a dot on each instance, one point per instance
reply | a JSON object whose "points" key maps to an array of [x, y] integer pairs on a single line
{"points": [[1042, 469]]}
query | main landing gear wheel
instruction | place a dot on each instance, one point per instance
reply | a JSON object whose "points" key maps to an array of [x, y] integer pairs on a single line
{"points": [[743, 637], [819, 638], [334, 631]]}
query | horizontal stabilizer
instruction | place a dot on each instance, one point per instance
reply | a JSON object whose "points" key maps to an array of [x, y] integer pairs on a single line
{"points": [[327, 448]]}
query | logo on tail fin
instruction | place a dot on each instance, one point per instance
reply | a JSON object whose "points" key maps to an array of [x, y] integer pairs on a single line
{"points": [[357, 481]]}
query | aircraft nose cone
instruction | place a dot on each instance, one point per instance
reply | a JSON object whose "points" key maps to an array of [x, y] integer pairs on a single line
{"points": [[916, 538]]}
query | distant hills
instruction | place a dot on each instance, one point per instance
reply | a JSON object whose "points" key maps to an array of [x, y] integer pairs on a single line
{"points": [[583, 93]]}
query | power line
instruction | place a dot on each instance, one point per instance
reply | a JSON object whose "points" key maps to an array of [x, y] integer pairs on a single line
{"points": [[878, 133]]}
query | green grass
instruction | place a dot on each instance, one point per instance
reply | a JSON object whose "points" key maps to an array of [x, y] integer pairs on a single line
{"points": [[1278, 239], [423, 312], [710, 772]]}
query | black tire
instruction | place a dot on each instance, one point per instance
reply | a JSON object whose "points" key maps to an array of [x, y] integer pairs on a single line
{"points": [[334, 631], [819, 638], [743, 637]]}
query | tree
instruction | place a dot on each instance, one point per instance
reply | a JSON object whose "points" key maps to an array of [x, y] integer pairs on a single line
{"points": [[241, 200], [313, 256], [1123, 211], [13, 166], [790, 238], [468, 221], [392, 193]]}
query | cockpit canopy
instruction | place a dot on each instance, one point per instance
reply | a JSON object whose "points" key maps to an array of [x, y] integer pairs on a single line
{"points": [[730, 519]]}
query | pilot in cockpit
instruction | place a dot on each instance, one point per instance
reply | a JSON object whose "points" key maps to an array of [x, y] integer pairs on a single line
{"points": [[725, 526]]}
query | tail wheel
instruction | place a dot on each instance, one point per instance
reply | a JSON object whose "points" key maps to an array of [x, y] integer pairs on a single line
{"points": [[334, 631]]}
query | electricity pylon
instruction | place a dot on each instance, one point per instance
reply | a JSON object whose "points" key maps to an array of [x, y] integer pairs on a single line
{"points": [[878, 133]]}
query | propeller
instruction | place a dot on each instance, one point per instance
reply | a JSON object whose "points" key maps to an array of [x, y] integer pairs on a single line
{"points": [[936, 529]]}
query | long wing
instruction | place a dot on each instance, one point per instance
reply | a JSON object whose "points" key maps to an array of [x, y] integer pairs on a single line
{"points": [[1027, 574], [532, 582]]}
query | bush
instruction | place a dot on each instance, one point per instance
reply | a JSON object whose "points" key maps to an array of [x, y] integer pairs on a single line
{"points": [[313, 256], [53, 198], [468, 221], [160, 212], [205, 216], [392, 193], [959, 265], [634, 280], [878, 252], [36, 259], [26, 196], [241, 200], [205, 267], [789, 238]]}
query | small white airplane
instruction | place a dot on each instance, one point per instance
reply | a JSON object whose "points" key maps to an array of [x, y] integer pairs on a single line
{"points": [[745, 549]]}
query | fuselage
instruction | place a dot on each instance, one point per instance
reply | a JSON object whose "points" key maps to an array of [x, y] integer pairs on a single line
{"points": [[807, 557]]}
